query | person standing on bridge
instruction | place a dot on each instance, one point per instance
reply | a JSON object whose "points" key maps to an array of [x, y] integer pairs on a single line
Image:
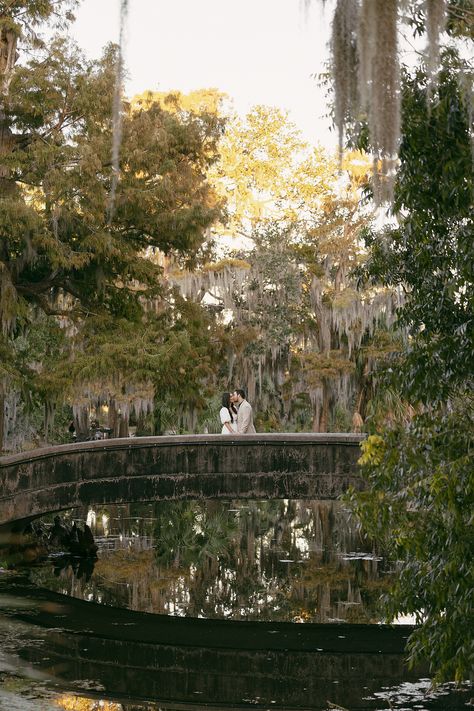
{"points": [[245, 414], [228, 414]]}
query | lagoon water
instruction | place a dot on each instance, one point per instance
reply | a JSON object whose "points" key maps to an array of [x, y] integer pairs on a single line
{"points": [[278, 603], [294, 561]]}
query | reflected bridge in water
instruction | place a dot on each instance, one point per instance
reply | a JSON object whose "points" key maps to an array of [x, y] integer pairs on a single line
{"points": [[189, 663]]}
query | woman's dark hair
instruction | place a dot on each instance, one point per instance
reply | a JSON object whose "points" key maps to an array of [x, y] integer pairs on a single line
{"points": [[227, 403]]}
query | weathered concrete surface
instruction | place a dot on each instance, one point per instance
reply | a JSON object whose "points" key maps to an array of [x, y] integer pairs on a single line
{"points": [[311, 466]]}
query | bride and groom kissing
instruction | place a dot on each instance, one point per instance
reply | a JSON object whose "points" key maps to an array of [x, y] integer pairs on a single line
{"points": [[236, 413]]}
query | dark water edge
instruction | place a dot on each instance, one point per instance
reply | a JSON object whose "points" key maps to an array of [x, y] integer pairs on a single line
{"points": [[29, 691]]}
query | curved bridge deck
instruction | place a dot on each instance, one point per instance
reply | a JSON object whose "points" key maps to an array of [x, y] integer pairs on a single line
{"points": [[311, 466]]}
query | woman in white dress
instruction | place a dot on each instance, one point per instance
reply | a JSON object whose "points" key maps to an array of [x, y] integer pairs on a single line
{"points": [[228, 415]]}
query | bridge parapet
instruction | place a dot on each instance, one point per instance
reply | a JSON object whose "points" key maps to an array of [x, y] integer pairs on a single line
{"points": [[260, 466]]}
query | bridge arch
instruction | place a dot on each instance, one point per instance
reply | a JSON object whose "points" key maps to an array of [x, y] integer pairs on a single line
{"points": [[137, 656], [283, 465]]}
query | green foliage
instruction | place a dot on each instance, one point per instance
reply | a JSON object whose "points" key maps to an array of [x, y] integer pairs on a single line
{"points": [[98, 281], [275, 285], [340, 420], [28, 14], [56, 232], [419, 470], [430, 254], [459, 14], [288, 292], [419, 503], [167, 356], [208, 418], [186, 536]]}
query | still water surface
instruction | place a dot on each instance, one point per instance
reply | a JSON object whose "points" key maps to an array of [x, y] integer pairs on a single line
{"points": [[256, 561], [295, 561]]}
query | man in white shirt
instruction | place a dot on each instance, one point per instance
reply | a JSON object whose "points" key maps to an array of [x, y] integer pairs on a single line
{"points": [[245, 414]]}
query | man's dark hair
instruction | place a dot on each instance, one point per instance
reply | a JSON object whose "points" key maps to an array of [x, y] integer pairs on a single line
{"points": [[240, 392]]}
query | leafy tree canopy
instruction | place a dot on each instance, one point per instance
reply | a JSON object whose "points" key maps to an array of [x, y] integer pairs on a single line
{"points": [[56, 234], [429, 254], [420, 474], [419, 504], [62, 252]]}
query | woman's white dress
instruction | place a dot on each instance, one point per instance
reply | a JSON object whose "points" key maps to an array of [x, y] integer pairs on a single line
{"points": [[225, 417]]}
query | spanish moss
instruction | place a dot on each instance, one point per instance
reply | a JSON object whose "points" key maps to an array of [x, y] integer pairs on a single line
{"points": [[384, 115], [435, 23], [365, 50], [343, 47], [366, 75], [117, 114]]}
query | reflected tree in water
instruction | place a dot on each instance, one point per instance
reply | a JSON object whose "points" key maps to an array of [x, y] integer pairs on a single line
{"points": [[279, 560]]}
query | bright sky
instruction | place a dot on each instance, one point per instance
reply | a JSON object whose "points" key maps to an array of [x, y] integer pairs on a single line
{"points": [[257, 51]]}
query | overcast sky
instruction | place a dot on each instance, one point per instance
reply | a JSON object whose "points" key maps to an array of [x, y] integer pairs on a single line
{"points": [[257, 51]]}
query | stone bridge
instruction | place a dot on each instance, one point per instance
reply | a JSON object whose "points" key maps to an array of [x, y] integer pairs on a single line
{"points": [[260, 466]]}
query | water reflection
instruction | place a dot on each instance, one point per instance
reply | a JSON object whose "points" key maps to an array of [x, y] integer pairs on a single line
{"points": [[420, 695], [17, 694], [280, 560]]}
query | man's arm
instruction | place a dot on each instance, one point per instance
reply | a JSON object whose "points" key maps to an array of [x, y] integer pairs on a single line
{"points": [[243, 420]]}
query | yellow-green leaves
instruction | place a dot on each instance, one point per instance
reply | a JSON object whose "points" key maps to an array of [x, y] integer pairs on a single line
{"points": [[373, 450]]}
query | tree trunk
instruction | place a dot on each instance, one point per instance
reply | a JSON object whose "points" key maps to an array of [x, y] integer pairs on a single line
{"points": [[81, 422], [321, 416], [113, 422], [8, 57], [123, 426], [118, 422], [359, 412], [157, 419], [49, 413], [324, 419], [142, 429]]}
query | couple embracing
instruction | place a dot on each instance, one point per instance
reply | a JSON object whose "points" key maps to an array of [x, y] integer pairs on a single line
{"points": [[236, 414]]}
